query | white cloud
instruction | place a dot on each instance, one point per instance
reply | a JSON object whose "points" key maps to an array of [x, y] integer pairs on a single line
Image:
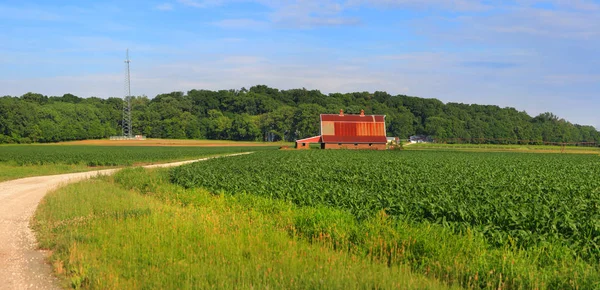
{"points": [[99, 85], [243, 59], [202, 3], [454, 5], [306, 21], [547, 23], [289, 14], [28, 13], [232, 39], [241, 23], [432, 75], [520, 55], [581, 5], [572, 79], [164, 7], [311, 13]]}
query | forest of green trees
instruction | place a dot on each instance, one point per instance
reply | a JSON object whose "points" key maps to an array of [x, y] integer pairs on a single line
{"points": [[264, 113]]}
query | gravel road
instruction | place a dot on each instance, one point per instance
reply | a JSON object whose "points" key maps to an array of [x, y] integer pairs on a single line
{"points": [[22, 265]]}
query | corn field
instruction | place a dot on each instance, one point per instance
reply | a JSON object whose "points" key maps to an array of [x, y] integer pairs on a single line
{"points": [[523, 200], [23, 155]]}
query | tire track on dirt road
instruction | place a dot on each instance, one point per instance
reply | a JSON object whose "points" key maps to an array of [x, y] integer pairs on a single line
{"points": [[22, 265]]}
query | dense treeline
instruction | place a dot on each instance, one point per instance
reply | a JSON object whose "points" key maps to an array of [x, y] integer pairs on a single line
{"points": [[264, 113]]}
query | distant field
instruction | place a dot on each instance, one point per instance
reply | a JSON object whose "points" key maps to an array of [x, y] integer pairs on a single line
{"points": [[174, 142], [505, 148], [18, 161]]}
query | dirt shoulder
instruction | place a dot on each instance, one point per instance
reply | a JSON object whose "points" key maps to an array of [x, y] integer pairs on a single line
{"points": [[22, 265]]}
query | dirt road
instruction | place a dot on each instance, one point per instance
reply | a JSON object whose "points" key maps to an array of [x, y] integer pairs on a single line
{"points": [[22, 266]]}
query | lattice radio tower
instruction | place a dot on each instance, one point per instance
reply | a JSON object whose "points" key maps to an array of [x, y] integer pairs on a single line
{"points": [[127, 130]]}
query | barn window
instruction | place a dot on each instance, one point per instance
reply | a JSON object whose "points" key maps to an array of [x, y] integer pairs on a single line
{"points": [[370, 144], [303, 144], [339, 144], [355, 144]]}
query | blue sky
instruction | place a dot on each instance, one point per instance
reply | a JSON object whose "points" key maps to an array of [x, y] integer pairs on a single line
{"points": [[533, 55]]}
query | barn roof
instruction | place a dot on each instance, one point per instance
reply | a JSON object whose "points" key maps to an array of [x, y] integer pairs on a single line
{"points": [[315, 139], [352, 118]]}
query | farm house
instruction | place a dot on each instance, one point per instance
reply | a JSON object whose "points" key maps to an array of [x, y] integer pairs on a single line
{"points": [[349, 132]]}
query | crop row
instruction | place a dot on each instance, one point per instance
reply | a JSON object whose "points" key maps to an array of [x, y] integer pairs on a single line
{"points": [[511, 198], [105, 155]]}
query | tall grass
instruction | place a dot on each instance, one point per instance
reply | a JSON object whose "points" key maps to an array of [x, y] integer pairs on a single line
{"points": [[137, 231], [464, 259]]}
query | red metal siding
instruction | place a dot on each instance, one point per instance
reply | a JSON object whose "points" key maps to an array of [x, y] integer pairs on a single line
{"points": [[358, 129], [354, 139], [353, 129]]}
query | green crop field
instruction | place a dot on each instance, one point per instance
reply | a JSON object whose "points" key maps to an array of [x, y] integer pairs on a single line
{"points": [[575, 149], [525, 198], [330, 219], [138, 231], [18, 161], [105, 155], [547, 205]]}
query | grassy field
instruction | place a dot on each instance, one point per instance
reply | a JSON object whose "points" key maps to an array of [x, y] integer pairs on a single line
{"points": [[424, 218], [504, 148], [538, 213], [17, 161], [324, 219], [176, 142], [137, 231]]}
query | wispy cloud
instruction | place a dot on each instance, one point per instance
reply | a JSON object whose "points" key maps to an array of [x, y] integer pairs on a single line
{"points": [[28, 13], [241, 23], [534, 55], [202, 3], [114, 26], [420, 74], [573, 79], [243, 59], [164, 7], [232, 39], [581, 5], [288, 14], [311, 13], [96, 43], [546, 23], [453, 5], [489, 64], [103, 44], [307, 21]]}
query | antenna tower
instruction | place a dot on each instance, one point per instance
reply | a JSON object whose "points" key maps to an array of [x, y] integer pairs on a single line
{"points": [[127, 130]]}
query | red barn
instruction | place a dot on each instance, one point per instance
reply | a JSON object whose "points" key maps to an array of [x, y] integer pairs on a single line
{"points": [[349, 132]]}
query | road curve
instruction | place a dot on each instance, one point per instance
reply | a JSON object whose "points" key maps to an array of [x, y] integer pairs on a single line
{"points": [[22, 265]]}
